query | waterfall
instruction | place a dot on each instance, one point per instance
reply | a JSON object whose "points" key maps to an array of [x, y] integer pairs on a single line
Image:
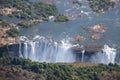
{"points": [[25, 50], [106, 56], [20, 53], [83, 52], [46, 50], [110, 53]]}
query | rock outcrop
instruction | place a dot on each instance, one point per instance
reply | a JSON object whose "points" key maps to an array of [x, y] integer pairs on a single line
{"points": [[96, 31]]}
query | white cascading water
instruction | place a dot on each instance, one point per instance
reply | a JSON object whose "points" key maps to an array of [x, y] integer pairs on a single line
{"points": [[83, 52], [107, 55], [20, 49], [110, 53], [44, 50]]}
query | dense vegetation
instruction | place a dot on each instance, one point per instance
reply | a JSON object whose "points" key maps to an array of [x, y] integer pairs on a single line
{"points": [[101, 5], [23, 5], [59, 71], [77, 2], [13, 32], [29, 10], [24, 24], [61, 18], [12, 72], [45, 10], [3, 23]]}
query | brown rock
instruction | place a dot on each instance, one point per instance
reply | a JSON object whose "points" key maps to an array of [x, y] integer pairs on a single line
{"points": [[79, 38], [93, 47], [96, 36], [99, 28]]}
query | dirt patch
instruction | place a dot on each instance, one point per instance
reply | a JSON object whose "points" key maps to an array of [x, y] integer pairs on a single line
{"points": [[7, 11]]}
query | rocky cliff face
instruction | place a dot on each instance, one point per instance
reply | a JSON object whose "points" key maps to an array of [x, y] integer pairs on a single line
{"points": [[9, 50]]}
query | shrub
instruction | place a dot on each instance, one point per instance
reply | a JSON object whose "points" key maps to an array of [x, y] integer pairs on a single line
{"points": [[61, 18], [13, 32]]}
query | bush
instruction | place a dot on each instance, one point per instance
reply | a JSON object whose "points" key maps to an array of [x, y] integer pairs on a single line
{"points": [[4, 23], [45, 10], [25, 24], [13, 32], [77, 2], [101, 5], [61, 18]]}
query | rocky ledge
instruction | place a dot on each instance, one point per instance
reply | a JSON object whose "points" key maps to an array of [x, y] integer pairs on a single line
{"points": [[89, 48]]}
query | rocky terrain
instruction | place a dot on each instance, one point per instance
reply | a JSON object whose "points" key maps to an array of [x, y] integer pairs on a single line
{"points": [[96, 31], [7, 36]]}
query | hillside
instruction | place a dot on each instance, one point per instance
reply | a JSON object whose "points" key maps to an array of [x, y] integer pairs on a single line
{"points": [[18, 68]]}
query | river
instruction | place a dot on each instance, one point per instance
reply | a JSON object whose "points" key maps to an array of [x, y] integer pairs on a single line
{"points": [[57, 31]]}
